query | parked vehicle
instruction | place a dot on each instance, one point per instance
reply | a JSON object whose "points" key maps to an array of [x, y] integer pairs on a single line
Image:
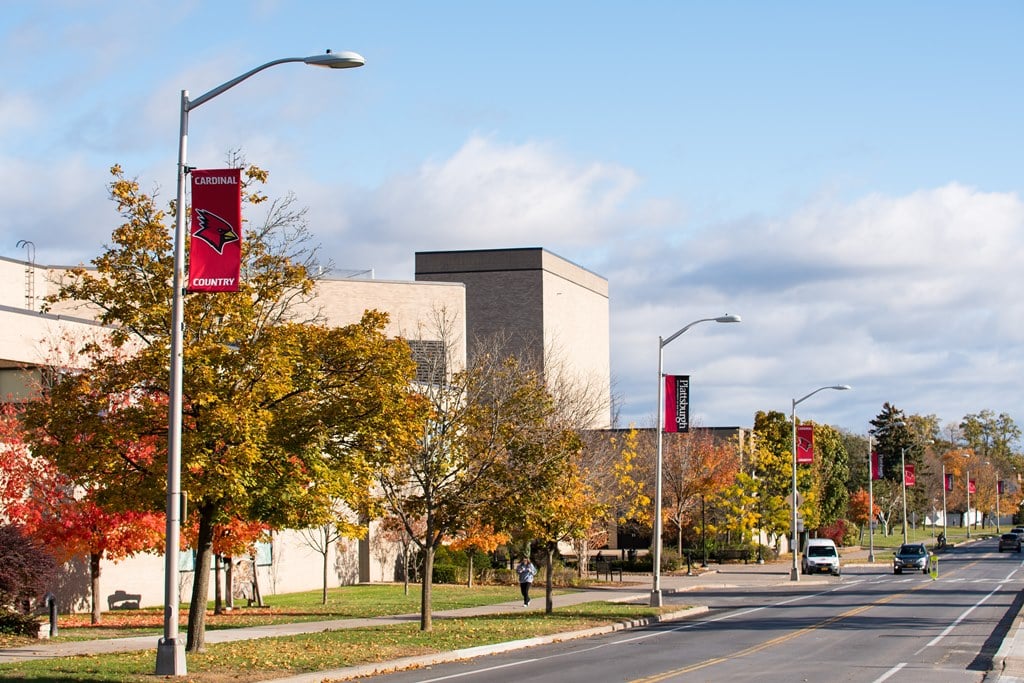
{"points": [[910, 556], [821, 555], [1010, 541], [1019, 530]]}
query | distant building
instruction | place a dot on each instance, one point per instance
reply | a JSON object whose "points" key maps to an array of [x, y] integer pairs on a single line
{"points": [[537, 306]]}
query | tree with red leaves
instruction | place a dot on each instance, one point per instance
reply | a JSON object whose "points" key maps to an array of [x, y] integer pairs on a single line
{"points": [[65, 517]]}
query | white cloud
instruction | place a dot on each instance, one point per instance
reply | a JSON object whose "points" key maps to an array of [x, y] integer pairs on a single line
{"points": [[490, 194]]}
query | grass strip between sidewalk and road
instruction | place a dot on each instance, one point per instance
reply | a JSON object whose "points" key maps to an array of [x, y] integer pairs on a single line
{"points": [[255, 660]]}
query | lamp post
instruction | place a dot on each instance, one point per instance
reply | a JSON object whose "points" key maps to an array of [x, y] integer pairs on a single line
{"points": [[997, 502], [944, 534], [794, 574], [662, 343], [968, 503], [871, 503], [170, 654], [903, 465]]}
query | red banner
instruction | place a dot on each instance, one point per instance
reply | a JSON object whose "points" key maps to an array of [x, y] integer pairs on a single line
{"points": [[970, 486], [876, 465], [999, 487], [908, 475], [949, 482], [677, 403], [805, 443], [215, 257]]}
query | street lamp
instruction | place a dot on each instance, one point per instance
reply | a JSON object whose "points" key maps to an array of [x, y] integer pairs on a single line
{"points": [[944, 534], [903, 466], [871, 502], [662, 343], [794, 574], [968, 485], [170, 653]]}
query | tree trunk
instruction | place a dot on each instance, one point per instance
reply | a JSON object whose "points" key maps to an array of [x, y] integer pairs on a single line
{"points": [[426, 622], [229, 583], [327, 550], [196, 640], [549, 578], [218, 596], [256, 594], [470, 582], [405, 566], [94, 574]]}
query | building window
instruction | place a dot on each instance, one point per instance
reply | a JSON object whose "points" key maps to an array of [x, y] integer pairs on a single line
{"points": [[430, 360]]}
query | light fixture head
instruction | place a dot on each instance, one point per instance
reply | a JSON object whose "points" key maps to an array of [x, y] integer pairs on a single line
{"points": [[842, 387], [728, 319], [336, 60]]}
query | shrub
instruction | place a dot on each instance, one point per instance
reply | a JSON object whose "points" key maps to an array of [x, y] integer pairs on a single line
{"points": [[837, 531], [445, 573], [17, 624], [26, 571]]}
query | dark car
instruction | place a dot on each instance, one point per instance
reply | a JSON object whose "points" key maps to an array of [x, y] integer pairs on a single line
{"points": [[910, 556], [1010, 541]]}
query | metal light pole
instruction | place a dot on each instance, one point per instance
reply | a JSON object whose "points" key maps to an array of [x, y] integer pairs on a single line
{"points": [[794, 574], [903, 465], [170, 653], [997, 502], [968, 504], [871, 503], [944, 534], [656, 549]]}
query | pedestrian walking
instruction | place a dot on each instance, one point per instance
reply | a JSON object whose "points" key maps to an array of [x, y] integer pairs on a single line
{"points": [[526, 572]]}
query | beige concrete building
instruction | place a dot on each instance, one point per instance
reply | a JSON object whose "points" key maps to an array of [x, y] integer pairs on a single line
{"points": [[538, 301]]}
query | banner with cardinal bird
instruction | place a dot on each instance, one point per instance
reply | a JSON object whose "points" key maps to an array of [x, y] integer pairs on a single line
{"points": [[215, 256]]}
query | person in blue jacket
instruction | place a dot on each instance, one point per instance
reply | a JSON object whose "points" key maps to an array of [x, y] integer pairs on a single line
{"points": [[526, 572]]}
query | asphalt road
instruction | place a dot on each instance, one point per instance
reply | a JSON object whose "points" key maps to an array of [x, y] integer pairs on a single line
{"points": [[867, 626]]}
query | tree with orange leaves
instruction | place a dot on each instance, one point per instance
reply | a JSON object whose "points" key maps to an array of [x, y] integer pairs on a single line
{"points": [[478, 536], [693, 465], [858, 510]]}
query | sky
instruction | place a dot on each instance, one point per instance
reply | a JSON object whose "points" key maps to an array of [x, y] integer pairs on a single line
{"points": [[846, 177]]}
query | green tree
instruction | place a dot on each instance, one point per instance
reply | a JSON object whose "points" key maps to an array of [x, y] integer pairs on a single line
{"points": [[832, 470], [773, 466], [278, 409]]}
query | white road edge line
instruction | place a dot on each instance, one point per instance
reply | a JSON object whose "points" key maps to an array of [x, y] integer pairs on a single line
{"points": [[890, 673]]}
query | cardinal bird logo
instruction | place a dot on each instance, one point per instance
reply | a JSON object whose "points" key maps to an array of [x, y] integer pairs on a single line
{"points": [[214, 230]]}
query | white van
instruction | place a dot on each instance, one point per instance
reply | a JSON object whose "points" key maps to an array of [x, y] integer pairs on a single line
{"points": [[821, 555]]}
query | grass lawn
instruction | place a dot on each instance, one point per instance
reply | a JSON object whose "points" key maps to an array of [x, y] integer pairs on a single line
{"points": [[256, 660]]}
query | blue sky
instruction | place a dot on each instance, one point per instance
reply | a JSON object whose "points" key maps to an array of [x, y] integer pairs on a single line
{"points": [[845, 176]]}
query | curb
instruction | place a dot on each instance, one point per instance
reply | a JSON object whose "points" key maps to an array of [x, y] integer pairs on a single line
{"points": [[364, 670]]}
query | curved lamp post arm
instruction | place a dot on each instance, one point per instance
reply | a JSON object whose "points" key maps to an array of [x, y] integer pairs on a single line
{"points": [[720, 319], [331, 60]]}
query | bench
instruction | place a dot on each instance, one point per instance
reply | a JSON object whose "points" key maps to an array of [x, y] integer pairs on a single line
{"points": [[732, 555], [121, 600], [605, 568]]}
